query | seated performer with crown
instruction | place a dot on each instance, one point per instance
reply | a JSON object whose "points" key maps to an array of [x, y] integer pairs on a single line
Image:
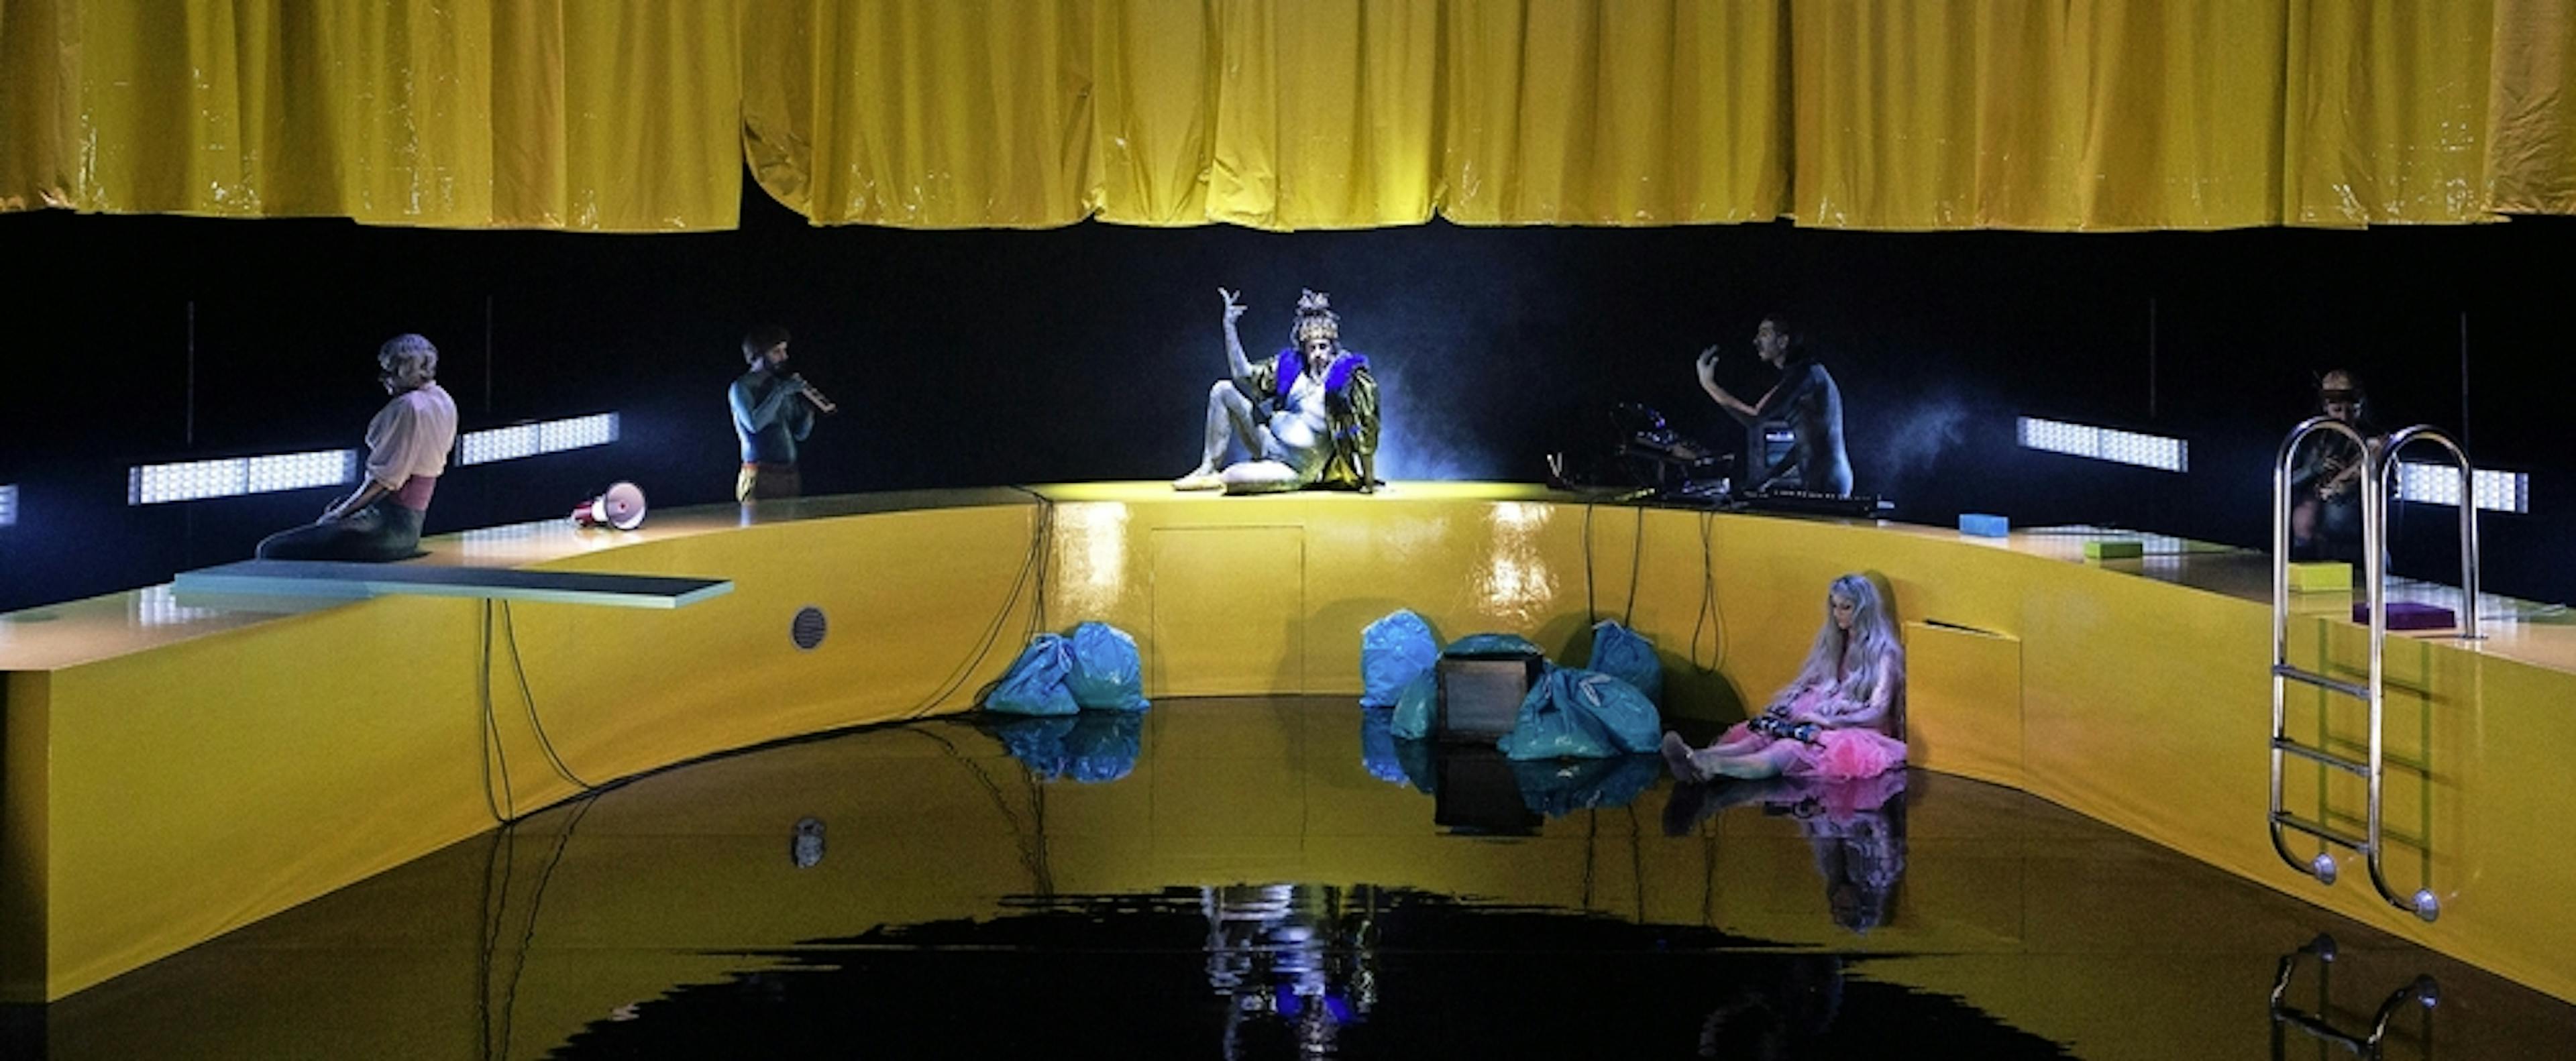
{"points": [[1306, 417]]}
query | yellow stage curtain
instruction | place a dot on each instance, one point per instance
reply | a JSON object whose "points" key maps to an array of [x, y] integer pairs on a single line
{"points": [[957, 114], [2531, 111], [1326, 113], [2057, 115], [2384, 111], [501, 113], [1020, 113], [2118, 114], [1273, 114], [1652, 112]]}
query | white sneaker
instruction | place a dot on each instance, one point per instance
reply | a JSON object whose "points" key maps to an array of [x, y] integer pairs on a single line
{"points": [[1203, 478]]}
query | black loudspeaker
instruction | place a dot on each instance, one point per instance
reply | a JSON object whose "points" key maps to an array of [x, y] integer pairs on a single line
{"points": [[1480, 696]]}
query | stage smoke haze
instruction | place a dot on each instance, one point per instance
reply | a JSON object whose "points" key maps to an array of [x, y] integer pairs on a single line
{"points": [[1418, 441], [1915, 439]]}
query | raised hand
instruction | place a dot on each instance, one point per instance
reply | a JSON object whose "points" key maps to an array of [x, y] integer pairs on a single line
{"points": [[1708, 363], [1233, 309]]}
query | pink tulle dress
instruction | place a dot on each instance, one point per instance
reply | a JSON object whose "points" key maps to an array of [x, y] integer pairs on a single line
{"points": [[1839, 754]]}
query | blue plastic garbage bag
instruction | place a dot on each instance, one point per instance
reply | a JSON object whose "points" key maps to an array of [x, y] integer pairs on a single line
{"points": [[1625, 654], [1493, 645], [1038, 743], [1377, 746], [1582, 714], [1394, 651], [1561, 787], [1107, 674], [1035, 683], [1103, 745], [1414, 708], [1421, 765], [1552, 726], [1633, 722]]}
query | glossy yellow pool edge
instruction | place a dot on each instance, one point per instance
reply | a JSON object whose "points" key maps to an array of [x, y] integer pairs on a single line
{"points": [[159, 798]]}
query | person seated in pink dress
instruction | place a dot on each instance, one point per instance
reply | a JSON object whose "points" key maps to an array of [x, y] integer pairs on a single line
{"points": [[1838, 720]]}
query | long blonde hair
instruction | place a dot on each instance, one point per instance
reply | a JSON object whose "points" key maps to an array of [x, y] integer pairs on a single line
{"points": [[1881, 658]]}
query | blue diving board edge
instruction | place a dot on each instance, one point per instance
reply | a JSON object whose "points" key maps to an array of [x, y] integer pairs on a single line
{"points": [[336, 580]]}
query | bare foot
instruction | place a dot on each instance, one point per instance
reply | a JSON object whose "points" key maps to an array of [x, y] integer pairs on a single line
{"points": [[1677, 755]]}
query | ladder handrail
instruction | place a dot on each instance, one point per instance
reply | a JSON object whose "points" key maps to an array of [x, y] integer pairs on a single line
{"points": [[2387, 456], [2378, 458], [2281, 522], [2425, 992]]}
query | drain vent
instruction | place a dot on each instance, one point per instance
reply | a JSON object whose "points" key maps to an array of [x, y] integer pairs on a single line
{"points": [[808, 627]]}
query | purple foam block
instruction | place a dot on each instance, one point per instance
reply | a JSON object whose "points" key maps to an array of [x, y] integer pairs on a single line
{"points": [[2406, 616]]}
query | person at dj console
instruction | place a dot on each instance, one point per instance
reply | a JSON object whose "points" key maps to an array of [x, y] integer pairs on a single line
{"points": [[1795, 432]]}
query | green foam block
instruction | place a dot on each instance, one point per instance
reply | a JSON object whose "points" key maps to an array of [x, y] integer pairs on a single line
{"points": [[2114, 550], [2330, 577]]}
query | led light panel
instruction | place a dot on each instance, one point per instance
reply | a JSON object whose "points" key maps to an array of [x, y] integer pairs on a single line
{"points": [[2105, 443], [528, 440], [153, 484], [2439, 484]]}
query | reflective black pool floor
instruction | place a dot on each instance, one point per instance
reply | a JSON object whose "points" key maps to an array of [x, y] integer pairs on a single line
{"points": [[1274, 878]]}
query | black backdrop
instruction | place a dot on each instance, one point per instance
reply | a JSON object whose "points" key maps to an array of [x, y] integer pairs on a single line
{"points": [[1084, 353]]}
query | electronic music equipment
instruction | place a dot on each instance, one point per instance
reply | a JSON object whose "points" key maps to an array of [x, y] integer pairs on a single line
{"points": [[1659, 457], [1807, 503]]}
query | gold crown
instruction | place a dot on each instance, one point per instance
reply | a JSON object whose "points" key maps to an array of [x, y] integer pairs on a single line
{"points": [[1315, 316]]}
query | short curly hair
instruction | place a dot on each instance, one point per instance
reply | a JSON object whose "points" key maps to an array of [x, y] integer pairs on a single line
{"points": [[759, 341], [408, 360]]}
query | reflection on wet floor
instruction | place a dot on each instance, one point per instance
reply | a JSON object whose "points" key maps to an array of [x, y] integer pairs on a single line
{"points": [[1276, 878]]}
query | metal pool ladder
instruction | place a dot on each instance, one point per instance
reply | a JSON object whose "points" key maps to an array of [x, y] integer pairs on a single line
{"points": [[2425, 992], [2377, 460]]}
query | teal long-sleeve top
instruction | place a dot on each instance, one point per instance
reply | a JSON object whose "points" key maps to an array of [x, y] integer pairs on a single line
{"points": [[770, 415]]}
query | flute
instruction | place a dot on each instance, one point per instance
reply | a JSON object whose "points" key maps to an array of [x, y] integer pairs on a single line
{"points": [[815, 396]]}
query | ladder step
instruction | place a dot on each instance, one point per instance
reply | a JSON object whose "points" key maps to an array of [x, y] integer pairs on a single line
{"points": [[2285, 744], [2284, 670], [2287, 820]]}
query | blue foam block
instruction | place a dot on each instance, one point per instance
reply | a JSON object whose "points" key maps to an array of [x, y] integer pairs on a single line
{"points": [[1984, 526]]}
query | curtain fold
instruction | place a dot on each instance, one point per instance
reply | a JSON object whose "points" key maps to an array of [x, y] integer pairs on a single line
{"points": [[958, 114], [1643, 113], [2117, 114], [537, 113], [2384, 111], [599, 115], [1326, 114], [2530, 120]]}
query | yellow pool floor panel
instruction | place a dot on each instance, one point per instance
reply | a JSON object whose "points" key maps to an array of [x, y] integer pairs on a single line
{"points": [[1241, 856]]}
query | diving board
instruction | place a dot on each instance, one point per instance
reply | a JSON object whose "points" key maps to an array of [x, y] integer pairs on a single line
{"points": [[336, 580]]}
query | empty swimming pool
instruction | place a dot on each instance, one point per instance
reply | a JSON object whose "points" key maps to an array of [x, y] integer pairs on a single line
{"points": [[1271, 877]]}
